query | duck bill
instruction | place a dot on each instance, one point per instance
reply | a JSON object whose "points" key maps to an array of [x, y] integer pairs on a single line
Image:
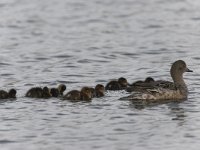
{"points": [[188, 70]]}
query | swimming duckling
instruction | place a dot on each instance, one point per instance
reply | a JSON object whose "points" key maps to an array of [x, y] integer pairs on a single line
{"points": [[61, 89], [54, 92], [46, 92], [113, 85], [119, 84], [147, 80], [123, 83], [86, 94], [73, 95], [10, 94], [99, 90], [35, 92], [136, 86], [93, 91], [38, 92]]}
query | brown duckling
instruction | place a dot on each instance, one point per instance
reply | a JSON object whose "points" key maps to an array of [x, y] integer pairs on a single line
{"points": [[73, 95], [61, 89], [35, 92], [147, 80], [139, 85], [123, 82], [86, 94], [99, 90], [38, 92], [93, 91], [10, 94], [56, 92], [114, 85], [46, 92]]}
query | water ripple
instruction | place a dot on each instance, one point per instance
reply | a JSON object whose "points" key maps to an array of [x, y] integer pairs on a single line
{"points": [[79, 43]]}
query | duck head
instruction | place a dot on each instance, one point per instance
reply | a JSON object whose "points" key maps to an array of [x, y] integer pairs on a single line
{"points": [[99, 90], [177, 69], [12, 93], [93, 91], [61, 88], [123, 82], [149, 80], [46, 92]]}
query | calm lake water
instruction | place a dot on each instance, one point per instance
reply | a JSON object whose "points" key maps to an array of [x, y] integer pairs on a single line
{"points": [[78, 43]]}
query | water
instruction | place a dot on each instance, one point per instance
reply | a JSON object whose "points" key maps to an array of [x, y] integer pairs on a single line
{"points": [[84, 43]]}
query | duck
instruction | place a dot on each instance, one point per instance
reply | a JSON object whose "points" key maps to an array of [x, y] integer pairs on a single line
{"points": [[85, 94], [137, 84], [99, 90], [123, 82], [61, 89], [10, 94], [93, 91], [149, 80], [56, 92], [164, 90], [46, 92], [119, 84], [73, 95], [38, 92]]}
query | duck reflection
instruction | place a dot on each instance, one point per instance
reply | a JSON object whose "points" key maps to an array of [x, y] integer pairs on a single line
{"points": [[176, 113]]}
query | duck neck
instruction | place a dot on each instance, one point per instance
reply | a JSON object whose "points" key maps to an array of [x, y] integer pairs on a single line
{"points": [[178, 80], [180, 84]]}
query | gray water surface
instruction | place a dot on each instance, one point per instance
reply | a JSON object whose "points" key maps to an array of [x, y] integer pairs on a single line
{"points": [[83, 43]]}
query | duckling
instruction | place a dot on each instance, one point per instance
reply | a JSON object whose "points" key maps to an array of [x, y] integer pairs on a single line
{"points": [[114, 85], [38, 92], [73, 95], [61, 89], [99, 90], [10, 94], [123, 83], [93, 91], [137, 85], [86, 94], [46, 92], [54, 92], [35, 92], [147, 80]]}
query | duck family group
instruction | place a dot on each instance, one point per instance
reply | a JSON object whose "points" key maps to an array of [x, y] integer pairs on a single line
{"points": [[149, 89], [86, 93]]}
